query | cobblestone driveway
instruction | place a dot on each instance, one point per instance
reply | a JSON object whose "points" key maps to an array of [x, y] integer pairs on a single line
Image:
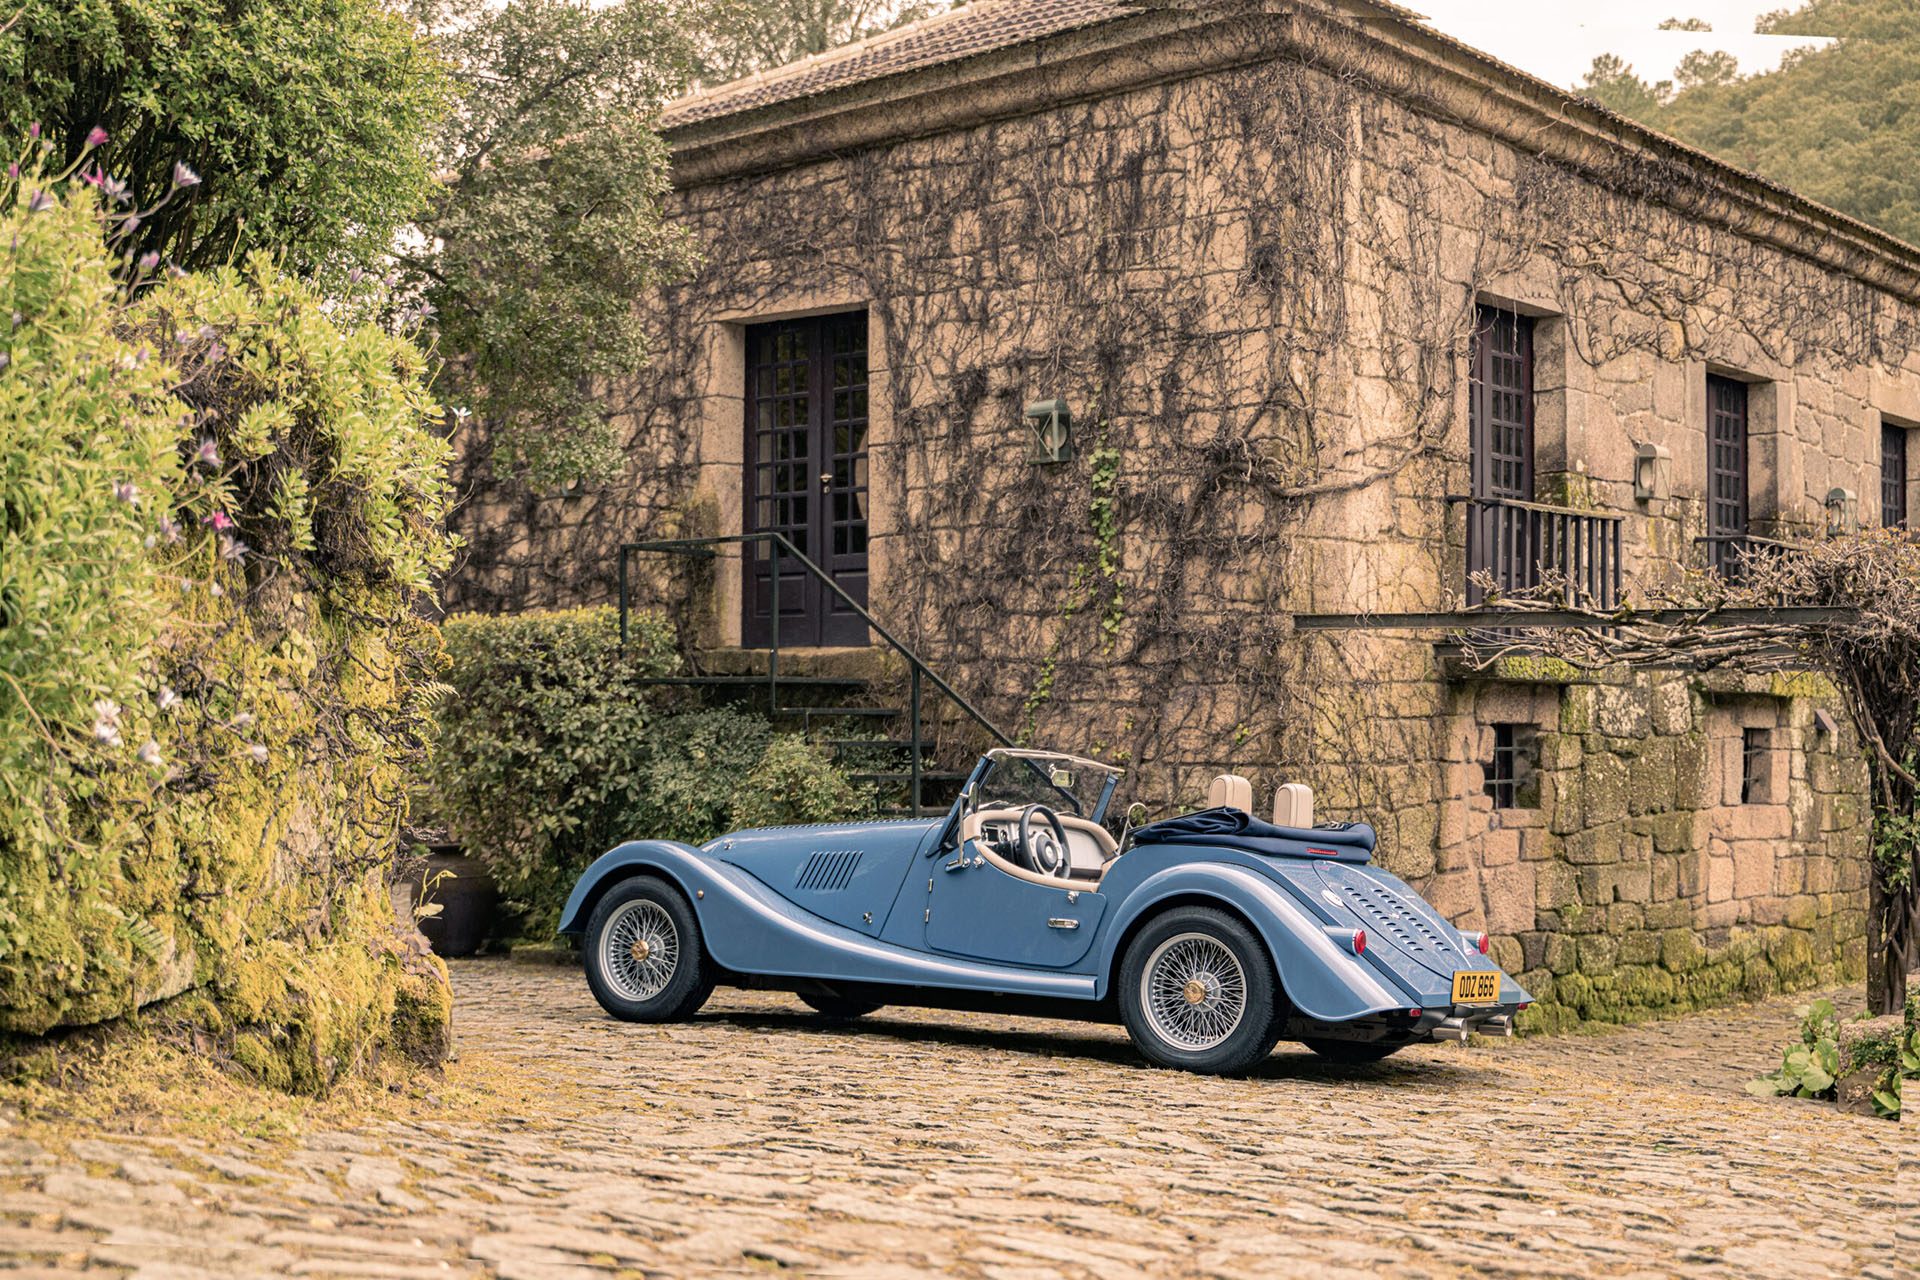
{"points": [[757, 1140]]}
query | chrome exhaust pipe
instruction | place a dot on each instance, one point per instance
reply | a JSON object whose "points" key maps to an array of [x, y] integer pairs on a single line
{"points": [[1501, 1026], [1450, 1029]]}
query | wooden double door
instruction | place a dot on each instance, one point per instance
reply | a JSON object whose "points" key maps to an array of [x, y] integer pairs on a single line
{"points": [[807, 478]]}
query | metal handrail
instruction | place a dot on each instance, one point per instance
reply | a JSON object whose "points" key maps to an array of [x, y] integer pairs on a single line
{"points": [[781, 545], [1519, 504]]}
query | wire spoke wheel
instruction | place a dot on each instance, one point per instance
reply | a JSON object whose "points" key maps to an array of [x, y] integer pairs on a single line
{"points": [[639, 950], [1193, 991]]}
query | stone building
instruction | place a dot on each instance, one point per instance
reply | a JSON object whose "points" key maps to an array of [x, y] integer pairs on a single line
{"points": [[1346, 318]]}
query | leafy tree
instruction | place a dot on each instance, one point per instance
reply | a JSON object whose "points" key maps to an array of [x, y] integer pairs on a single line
{"points": [[1839, 124], [1612, 82], [733, 38], [549, 221], [304, 119]]}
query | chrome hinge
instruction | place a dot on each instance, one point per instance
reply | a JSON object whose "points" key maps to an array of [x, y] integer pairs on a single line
{"points": [[1056, 922], [958, 864], [926, 915]]}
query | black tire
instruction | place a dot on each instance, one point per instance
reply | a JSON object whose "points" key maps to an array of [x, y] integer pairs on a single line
{"points": [[1353, 1053], [1205, 933], [838, 1008], [636, 908]]}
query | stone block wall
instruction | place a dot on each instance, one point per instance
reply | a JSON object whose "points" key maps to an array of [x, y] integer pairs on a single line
{"points": [[1254, 281], [1652, 863]]}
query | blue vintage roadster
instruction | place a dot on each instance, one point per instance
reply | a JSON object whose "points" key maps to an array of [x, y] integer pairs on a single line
{"points": [[1211, 935]]}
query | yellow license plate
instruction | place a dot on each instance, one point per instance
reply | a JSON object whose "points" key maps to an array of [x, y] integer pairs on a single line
{"points": [[1476, 986]]}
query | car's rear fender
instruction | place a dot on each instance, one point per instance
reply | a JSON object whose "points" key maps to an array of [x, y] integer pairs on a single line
{"points": [[1321, 979]]}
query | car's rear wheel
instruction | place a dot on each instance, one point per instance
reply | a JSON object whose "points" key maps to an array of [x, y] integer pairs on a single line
{"points": [[838, 1008], [645, 961], [1353, 1053], [1197, 991]]}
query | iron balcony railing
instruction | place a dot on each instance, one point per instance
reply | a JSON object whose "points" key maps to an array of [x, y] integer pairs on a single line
{"points": [[779, 548], [1729, 554], [1529, 549]]}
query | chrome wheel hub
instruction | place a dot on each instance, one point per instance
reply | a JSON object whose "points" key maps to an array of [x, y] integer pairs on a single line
{"points": [[1194, 992], [639, 950]]}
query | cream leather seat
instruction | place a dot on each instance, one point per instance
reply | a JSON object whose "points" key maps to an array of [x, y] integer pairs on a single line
{"points": [[1230, 791], [1293, 806]]}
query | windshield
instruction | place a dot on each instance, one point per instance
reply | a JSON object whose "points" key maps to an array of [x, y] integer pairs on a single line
{"points": [[1007, 779]]}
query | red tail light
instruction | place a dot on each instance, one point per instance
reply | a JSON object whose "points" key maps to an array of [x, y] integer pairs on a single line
{"points": [[1359, 942], [1414, 1013], [1481, 943]]}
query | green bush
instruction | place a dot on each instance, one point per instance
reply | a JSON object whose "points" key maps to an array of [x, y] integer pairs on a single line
{"points": [[1813, 1067], [220, 665], [551, 751]]}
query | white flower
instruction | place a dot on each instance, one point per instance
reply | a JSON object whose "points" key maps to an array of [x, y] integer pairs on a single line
{"points": [[168, 698], [106, 721], [243, 720], [150, 753], [258, 752]]}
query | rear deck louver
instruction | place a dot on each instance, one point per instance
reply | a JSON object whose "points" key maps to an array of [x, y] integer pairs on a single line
{"points": [[1387, 915], [828, 872]]}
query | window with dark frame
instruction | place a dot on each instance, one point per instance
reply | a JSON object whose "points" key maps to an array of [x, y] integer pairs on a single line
{"points": [[1726, 474], [1510, 774], [1754, 745], [1893, 476]]}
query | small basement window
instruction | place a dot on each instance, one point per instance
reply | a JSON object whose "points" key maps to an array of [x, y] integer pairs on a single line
{"points": [[1511, 777], [1754, 745]]}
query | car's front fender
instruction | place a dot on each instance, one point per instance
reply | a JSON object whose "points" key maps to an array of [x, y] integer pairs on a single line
{"points": [[681, 863], [1322, 980]]}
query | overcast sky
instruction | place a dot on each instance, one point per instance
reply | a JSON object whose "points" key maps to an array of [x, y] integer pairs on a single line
{"points": [[1558, 40]]}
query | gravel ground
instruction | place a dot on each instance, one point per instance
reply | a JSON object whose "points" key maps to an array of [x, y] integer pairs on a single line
{"points": [[757, 1139]]}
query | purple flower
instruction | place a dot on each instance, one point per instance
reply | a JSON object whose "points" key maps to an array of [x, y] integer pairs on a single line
{"points": [[169, 530], [115, 190], [219, 520], [96, 137], [39, 202], [13, 170], [207, 455], [183, 176], [231, 548], [355, 276], [149, 260], [126, 491], [33, 130]]}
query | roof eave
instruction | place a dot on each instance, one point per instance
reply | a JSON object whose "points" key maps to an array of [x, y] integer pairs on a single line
{"points": [[1431, 72]]}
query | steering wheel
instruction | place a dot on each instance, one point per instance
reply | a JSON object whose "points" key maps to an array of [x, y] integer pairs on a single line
{"points": [[1045, 850]]}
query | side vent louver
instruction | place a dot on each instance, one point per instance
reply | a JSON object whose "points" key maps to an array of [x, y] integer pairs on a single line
{"points": [[828, 872]]}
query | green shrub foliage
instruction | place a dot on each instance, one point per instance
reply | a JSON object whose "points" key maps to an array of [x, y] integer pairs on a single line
{"points": [[551, 751], [222, 506]]}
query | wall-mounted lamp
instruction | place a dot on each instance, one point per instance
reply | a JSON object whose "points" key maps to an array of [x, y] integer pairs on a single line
{"points": [[1052, 424], [1652, 473], [1843, 512]]}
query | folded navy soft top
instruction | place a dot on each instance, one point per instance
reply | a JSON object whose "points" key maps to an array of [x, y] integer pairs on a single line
{"points": [[1237, 829]]}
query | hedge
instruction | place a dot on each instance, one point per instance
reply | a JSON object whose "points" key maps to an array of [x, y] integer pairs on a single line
{"points": [[551, 750]]}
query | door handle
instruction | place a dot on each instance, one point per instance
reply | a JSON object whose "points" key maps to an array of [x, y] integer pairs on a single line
{"points": [[826, 481], [1056, 922]]}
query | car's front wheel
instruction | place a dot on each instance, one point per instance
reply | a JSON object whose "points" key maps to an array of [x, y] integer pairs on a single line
{"points": [[1197, 991], [645, 961]]}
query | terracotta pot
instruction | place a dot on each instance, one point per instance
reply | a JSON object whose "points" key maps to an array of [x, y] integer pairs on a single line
{"points": [[467, 898]]}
